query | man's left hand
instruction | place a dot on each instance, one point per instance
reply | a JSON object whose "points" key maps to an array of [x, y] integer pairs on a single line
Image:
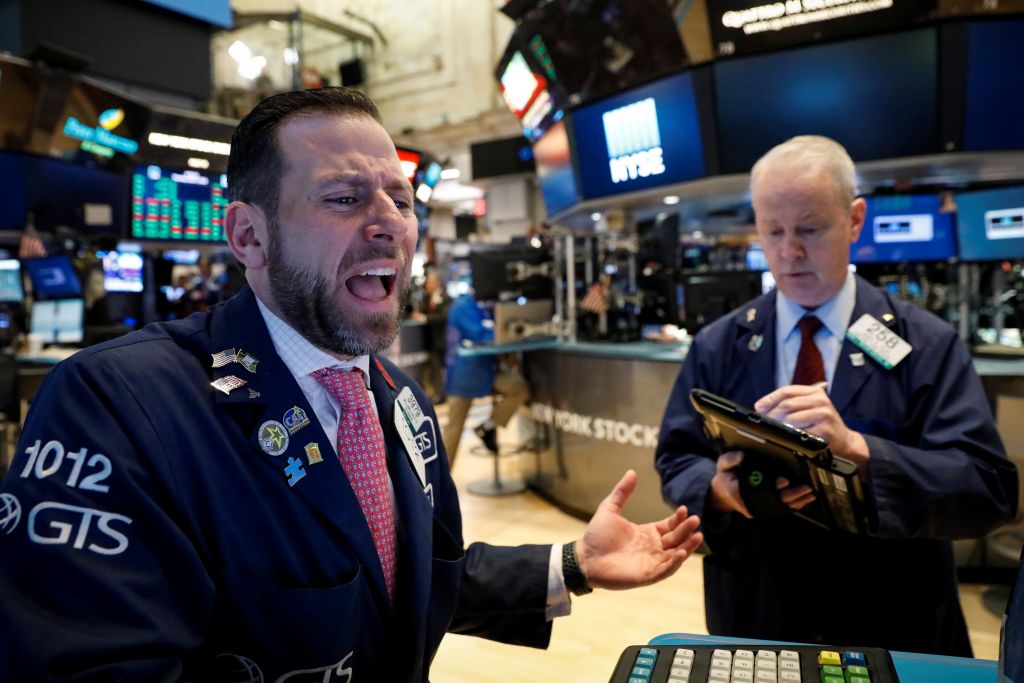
{"points": [[808, 407], [616, 553]]}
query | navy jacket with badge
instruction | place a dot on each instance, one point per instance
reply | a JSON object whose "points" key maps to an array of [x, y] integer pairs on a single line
{"points": [[938, 471], [149, 537]]}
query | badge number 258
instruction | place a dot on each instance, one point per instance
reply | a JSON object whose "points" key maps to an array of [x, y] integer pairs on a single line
{"points": [[878, 341]]}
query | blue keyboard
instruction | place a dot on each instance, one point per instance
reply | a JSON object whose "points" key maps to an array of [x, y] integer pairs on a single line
{"points": [[748, 663]]}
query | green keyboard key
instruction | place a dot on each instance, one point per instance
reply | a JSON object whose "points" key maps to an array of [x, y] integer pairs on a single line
{"points": [[832, 679], [831, 671], [857, 674]]}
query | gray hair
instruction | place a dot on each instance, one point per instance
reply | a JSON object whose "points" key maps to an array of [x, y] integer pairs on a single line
{"points": [[812, 151]]}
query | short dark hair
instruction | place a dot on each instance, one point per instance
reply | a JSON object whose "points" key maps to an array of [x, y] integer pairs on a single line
{"points": [[255, 165]]}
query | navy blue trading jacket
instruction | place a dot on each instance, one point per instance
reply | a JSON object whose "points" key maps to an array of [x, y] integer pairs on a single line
{"points": [[938, 471], [149, 536]]}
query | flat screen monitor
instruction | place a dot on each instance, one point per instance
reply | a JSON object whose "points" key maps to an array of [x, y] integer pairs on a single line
{"points": [[994, 99], [183, 206], [905, 228], [10, 281], [554, 169], [877, 96], [511, 272], [58, 322], [642, 138], [122, 271], [708, 296], [53, 277], [990, 224]]}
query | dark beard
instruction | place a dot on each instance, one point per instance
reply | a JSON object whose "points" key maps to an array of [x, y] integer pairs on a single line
{"points": [[305, 300]]}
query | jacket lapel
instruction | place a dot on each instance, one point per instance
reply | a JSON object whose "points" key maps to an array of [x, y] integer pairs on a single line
{"points": [[849, 378], [274, 402], [415, 516], [754, 348]]}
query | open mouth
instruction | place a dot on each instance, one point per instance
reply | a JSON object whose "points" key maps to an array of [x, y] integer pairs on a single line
{"points": [[374, 284]]}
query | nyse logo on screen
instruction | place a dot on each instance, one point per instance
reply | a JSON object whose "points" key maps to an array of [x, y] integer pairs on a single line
{"points": [[634, 141]]}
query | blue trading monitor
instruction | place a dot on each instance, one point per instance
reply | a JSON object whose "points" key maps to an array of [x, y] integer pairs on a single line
{"points": [[905, 228], [122, 271], [58, 322], [53, 277], [991, 224], [10, 281], [890, 81], [642, 138], [993, 106]]}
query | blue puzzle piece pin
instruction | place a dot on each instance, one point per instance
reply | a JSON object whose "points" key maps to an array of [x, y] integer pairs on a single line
{"points": [[294, 471]]}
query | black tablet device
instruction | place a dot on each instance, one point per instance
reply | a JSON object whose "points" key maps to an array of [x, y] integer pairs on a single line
{"points": [[773, 449]]}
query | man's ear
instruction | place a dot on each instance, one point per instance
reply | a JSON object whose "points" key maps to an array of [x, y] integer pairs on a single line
{"points": [[245, 228], [858, 212]]}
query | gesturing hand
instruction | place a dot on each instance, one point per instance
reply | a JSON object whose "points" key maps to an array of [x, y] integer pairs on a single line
{"points": [[616, 553]]}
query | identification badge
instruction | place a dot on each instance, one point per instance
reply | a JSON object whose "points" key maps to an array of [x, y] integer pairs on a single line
{"points": [[407, 423], [878, 341]]}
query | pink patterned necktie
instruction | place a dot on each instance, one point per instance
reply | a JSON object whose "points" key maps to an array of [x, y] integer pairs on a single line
{"points": [[362, 454]]}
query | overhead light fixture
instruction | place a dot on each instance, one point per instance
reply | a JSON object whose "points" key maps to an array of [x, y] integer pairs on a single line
{"points": [[197, 162], [291, 56], [423, 193], [670, 199], [239, 51], [596, 216], [251, 68], [450, 174]]}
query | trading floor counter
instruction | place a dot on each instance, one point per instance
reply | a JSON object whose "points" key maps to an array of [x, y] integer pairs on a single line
{"points": [[596, 410]]}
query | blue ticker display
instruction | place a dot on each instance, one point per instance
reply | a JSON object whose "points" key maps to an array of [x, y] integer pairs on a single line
{"points": [[990, 224], [905, 228]]}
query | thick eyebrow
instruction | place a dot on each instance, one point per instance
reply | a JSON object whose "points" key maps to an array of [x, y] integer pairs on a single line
{"points": [[356, 178], [343, 177]]}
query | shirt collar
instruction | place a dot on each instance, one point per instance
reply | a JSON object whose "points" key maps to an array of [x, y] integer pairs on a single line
{"points": [[299, 355], [834, 313]]}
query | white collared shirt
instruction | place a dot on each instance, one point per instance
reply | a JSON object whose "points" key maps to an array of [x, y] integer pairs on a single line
{"points": [[835, 317], [302, 358]]}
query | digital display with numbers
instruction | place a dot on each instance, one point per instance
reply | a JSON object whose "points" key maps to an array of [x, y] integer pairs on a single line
{"points": [[185, 206]]}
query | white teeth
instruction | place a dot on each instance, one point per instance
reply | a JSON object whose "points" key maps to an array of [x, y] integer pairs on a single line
{"points": [[379, 271]]}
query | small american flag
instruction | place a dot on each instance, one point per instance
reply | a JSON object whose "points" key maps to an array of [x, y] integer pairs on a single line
{"points": [[227, 384], [223, 358], [596, 299], [30, 246]]}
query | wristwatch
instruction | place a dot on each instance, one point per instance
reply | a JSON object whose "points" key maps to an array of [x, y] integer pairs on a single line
{"points": [[575, 581]]}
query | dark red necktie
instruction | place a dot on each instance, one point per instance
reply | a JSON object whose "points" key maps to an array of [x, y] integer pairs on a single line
{"points": [[810, 368], [363, 456]]}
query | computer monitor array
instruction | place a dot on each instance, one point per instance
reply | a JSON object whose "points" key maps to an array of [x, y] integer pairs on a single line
{"points": [[59, 321]]}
